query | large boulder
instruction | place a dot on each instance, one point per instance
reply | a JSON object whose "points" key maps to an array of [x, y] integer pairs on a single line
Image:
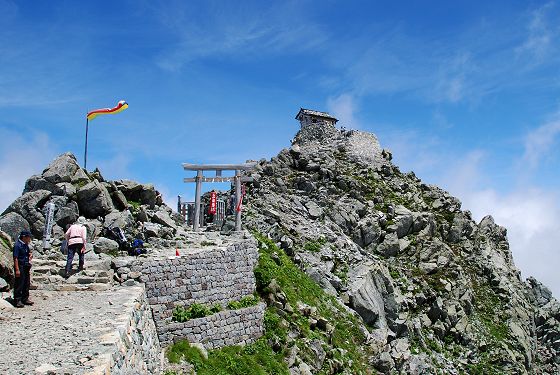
{"points": [[139, 193], [61, 169], [30, 206], [372, 295], [94, 200], [6, 258], [12, 223], [119, 219], [164, 218], [37, 182], [104, 245], [67, 214]]}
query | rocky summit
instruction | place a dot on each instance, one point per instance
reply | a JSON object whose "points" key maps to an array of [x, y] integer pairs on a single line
{"points": [[363, 268], [436, 291]]}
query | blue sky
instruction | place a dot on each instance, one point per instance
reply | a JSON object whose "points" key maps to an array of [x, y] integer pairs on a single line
{"points": [[465, 94]]}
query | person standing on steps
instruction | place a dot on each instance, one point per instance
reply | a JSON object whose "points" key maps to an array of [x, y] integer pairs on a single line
{"points": [[76, 236], [22, 267]]}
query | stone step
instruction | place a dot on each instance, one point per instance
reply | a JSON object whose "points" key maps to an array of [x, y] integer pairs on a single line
{"points": [[90, 264], [79, 280]]}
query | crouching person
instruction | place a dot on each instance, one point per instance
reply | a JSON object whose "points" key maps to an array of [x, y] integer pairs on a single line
{"points": [[76, 236], [22, 268]]}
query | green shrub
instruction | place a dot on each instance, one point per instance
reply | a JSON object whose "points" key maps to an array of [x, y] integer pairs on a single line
{"points": [[315, 246], [246, 301], [196, 310]]}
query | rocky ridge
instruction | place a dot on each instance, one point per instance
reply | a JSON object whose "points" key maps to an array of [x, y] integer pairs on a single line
{"points": [[136, 208], [435, 290]]}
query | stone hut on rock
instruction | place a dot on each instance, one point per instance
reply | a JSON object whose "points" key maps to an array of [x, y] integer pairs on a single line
{"points": [[309, 116]]}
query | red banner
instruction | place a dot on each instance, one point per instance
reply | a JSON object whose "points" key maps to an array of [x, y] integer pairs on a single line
{"points": [[213, 203]]}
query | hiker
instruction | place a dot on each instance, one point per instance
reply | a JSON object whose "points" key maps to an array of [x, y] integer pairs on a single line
{"points": [[76, 236], [22, 266]]}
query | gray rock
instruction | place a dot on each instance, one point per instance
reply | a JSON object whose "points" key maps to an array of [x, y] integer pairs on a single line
{"points": [[94, 200], [404, 221], [384, 362], [67, 215], [3, 285], [120, 219], [80, 177], [105, 246], [5, 305], [37, 182], [29, 204], [163, 218], [12, 223], [542, 294], [313, 209], [372, 294], [142, 214], [151, 229], [390, 245], [143, 194], [61, 169]]}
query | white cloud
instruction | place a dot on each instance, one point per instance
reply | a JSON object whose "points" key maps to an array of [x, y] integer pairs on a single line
{"points": [[539, 38], [343, 108], [21, 156], [539, 142]]}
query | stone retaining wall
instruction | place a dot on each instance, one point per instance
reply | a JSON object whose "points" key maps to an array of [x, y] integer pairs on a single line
{"points": [[138, 350], [231, 327], [207, 277]]}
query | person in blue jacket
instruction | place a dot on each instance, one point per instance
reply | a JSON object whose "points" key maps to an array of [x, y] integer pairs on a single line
{"points": [[22, 268]]}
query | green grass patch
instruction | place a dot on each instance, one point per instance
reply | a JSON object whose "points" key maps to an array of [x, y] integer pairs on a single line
{"points": [[196, 310], [257, 358], [314, 246], [298, 287], [135, 205], [246, 301]]}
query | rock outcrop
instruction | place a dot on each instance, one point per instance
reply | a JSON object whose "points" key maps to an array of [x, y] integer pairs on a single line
{"points": [[77, 192], [437, 290]]}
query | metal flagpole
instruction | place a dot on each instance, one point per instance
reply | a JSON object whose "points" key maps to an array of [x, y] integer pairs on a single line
{"points": [[85, 153]]}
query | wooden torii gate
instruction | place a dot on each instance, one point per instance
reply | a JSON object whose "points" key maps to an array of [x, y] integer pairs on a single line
{"points": [[200, 178]]}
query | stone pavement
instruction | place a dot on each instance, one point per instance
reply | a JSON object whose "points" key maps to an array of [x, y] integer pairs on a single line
{"points": [[65, 332]]}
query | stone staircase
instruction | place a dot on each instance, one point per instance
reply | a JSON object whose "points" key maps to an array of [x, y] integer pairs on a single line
{"points": [[48, 275]]}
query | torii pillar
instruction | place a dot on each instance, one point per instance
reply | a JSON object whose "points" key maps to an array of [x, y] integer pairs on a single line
{"points": [[200, 178]]}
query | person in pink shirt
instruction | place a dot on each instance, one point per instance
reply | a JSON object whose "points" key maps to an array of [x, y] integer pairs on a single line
{"points": [[76, 236]]}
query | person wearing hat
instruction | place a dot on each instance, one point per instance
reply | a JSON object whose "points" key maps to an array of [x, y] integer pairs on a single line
{"points": [[22, 267], [76, 236]]}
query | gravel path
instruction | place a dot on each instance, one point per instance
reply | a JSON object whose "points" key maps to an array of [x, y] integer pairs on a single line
{"points": [[63, 330]]}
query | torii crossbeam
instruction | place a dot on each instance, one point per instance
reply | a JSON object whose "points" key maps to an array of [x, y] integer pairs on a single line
{"points": [[200, 178]]}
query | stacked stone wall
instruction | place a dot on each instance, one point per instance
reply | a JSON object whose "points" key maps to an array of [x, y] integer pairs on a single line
{"points": [[208, 276], [230, 327], [138, 350]]}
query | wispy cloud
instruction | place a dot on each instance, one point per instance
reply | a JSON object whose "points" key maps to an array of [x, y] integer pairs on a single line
{"points": [[540, 35], [539, 142], [343, 107], [241, 31], [465, 67]]}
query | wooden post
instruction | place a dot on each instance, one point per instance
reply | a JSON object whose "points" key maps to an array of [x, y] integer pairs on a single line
{"points": [[237, 200], [197, 193]]}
